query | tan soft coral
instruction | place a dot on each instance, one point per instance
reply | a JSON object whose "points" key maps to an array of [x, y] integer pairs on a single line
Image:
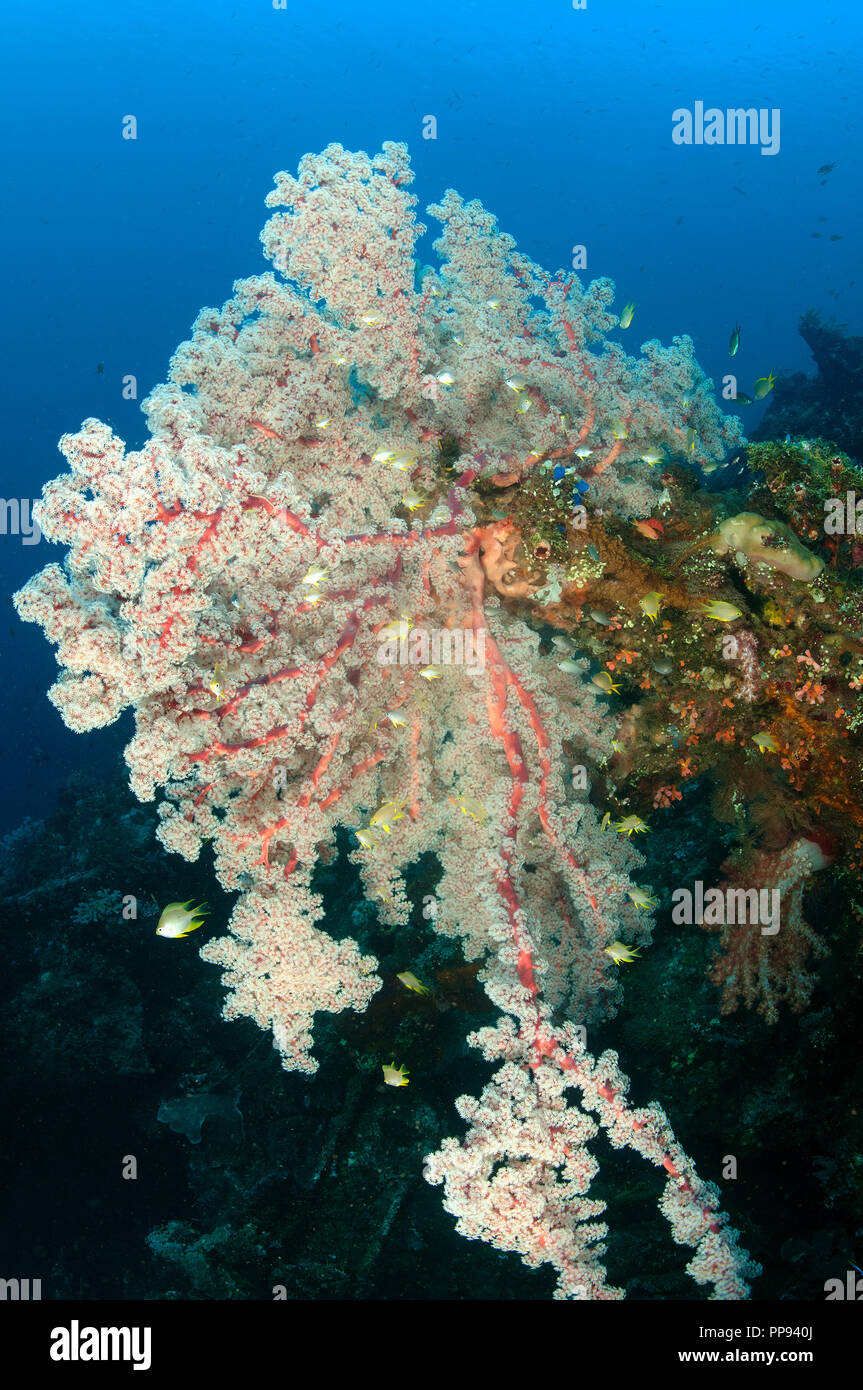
{"points": [[769, 543]]}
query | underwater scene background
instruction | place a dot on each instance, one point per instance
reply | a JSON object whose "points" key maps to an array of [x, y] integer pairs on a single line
{"points": [[472, 622]]}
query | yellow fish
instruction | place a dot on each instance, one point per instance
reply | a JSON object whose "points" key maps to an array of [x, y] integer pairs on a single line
{"points": [[631, 825], [627, 315], [395, 1076], [397, 720], [178, 919], [604, 682], [469, 806], [401, 461], [763, 386], [410, 981], [766, 743], [650, 605], [415, 501], [641, 898], [620, 953], [397, 630], [386, 816], [215, 684], [722, 612]]}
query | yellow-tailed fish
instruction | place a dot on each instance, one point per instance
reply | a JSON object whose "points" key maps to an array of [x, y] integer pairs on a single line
{"points": [[430, 673], [178, 919], [469, 806], [763, 385], [654, 456], [602, 680], [415, 501], [395, 1076], [410, 981], [627, 315], [642, 898], [216, 683], [386, 816], [314, 575], [402, 462], [397, 630], [620, 953], [765, 742], [721, 611], [650, 605], [632, 825]]}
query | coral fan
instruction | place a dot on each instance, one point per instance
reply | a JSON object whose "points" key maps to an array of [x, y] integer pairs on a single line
{"points": [[294, 586]]}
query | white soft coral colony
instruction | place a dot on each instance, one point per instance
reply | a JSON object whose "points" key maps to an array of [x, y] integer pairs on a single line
{"points": [[232, 582]]}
